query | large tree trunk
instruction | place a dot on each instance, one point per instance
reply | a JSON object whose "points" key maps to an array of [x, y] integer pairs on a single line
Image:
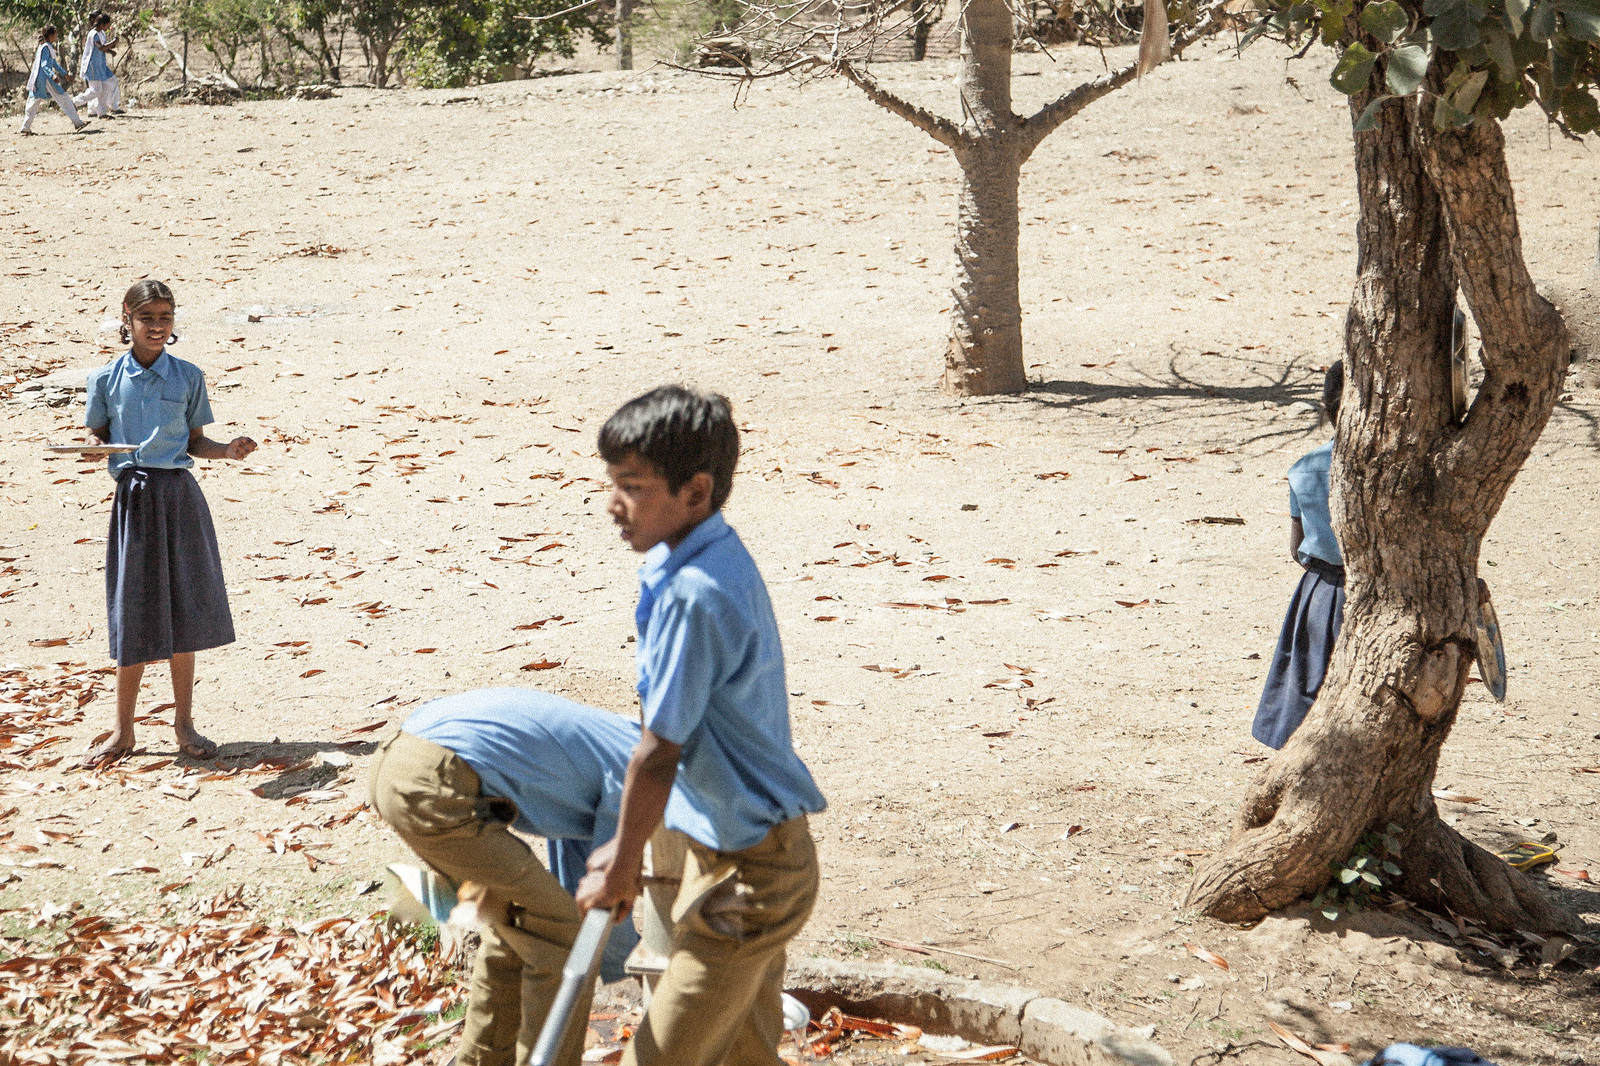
{"points": [[985, 353], [921, 27], [624, 35], [1414, 494]]}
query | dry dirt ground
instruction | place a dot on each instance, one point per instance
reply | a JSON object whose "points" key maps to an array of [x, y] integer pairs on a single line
{"points": [[1002, 617]]}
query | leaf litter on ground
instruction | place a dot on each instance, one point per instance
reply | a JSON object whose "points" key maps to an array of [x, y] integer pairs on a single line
{"points": [[214, 984]]}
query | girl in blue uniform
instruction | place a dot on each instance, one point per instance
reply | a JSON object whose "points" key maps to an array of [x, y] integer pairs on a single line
{"points": [[103, 95], [1317, 610], [48, 80], [165, 597]]}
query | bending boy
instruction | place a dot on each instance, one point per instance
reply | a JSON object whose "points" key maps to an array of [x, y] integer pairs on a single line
{"points": [[715, 758], [461, 771]]}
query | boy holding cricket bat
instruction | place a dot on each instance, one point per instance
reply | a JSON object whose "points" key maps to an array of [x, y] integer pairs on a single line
{"points": [[715, 759]]}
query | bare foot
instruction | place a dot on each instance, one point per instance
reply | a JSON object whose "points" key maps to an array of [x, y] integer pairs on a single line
{"points": [[105, 754], [196, 746]]}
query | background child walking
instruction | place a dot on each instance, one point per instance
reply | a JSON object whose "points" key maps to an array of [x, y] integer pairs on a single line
{"points": [[165, 597], [48, 80], [1311, 628], [104, 93]]}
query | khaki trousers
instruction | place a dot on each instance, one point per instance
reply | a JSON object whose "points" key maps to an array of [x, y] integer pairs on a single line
{"points": [[432, 800], [719, 1001]]}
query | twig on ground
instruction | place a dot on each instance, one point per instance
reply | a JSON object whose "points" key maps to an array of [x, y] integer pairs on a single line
{"points": [[923, 949]]}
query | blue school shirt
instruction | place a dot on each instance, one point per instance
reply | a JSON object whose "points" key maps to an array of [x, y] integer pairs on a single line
{"points": [[46, 68], [560, 762], [711, 679], [95, 65], [1308, 501], [154, 407]]}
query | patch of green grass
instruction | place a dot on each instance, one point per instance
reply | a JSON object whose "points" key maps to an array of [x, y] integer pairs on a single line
{"points": [[425, 937], [856, 945], [935, 964]]}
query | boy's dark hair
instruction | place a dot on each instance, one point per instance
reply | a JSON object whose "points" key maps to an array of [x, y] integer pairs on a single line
{"points": [[680, 432], [1333, 390], [148, 291]]}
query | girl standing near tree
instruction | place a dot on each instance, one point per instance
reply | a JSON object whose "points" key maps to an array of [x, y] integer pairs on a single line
{"points": [[48, 80], [165, 596], [1316, 612]]}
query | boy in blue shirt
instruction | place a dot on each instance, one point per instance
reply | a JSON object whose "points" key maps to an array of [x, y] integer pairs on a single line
{"points": [[715, 760], [462, 770]]}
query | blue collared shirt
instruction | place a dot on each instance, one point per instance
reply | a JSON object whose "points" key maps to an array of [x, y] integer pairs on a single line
{"points": [[1308, 501], [711, 679], [94, 66], [560, 762], [154, 407], [46, 68]]}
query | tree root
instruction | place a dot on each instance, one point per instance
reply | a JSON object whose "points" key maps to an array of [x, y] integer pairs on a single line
{"points": [[1445, 870], [1266, 869]]}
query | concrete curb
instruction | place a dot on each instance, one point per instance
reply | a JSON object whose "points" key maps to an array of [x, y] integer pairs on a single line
{"points": [[1048, 1030]]}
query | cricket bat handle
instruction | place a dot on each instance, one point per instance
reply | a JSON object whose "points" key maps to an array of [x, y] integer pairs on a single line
{"points": [[582, 966]]}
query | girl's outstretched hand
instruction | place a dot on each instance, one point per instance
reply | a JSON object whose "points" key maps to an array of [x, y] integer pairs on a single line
{"points": [[239, 447]]}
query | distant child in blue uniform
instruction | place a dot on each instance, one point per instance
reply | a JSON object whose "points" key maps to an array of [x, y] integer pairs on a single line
{"points": [[715, 760], [104, 93], [462, 771], [165, 597], [1316, 612], [48, 80]]}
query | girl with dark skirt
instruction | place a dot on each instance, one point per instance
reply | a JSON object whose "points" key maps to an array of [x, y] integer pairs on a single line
{"points": [[165, 597], [1317, 610]]}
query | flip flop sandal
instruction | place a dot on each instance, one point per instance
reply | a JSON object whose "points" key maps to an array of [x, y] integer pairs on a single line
{"points": [[1527, 855], [100, 758]]}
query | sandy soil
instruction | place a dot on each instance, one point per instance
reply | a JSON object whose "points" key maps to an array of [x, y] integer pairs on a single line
{"points": [[1003, 618]]}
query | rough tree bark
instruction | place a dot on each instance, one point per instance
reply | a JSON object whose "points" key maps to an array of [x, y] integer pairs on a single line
{"points": [[991, 144], [1414, 494], [624, 27], [922, 13]]}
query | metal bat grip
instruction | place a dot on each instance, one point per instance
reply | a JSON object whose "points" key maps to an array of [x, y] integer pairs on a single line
{"points": [[582, 966]]}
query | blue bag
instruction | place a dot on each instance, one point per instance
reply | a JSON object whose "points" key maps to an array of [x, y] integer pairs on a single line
{"points": [[1412, 1055]]}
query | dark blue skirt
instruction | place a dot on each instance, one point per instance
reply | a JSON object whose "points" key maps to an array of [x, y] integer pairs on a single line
{"points": [[1304, 647], [164, 589]]}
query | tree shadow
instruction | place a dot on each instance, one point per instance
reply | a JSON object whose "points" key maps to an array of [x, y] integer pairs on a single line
{"points": [[1178, 394], [1589, 420]]}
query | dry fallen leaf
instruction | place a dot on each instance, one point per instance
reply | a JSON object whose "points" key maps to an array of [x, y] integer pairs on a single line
{"points": [[1325, 1058], [992, 1053], [1207, 956]]}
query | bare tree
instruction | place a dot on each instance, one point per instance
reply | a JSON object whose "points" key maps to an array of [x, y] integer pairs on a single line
{"points": [[1416, 484], [990, 142]]}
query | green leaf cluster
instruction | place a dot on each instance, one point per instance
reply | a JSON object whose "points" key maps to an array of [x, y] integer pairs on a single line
{"points": [[461, 43], [1364, 876], [1474, 58]]}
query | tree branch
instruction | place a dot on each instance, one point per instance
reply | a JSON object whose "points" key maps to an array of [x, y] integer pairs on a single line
{"points": [[1525, 343], [938, 127], [1045, 121]]}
